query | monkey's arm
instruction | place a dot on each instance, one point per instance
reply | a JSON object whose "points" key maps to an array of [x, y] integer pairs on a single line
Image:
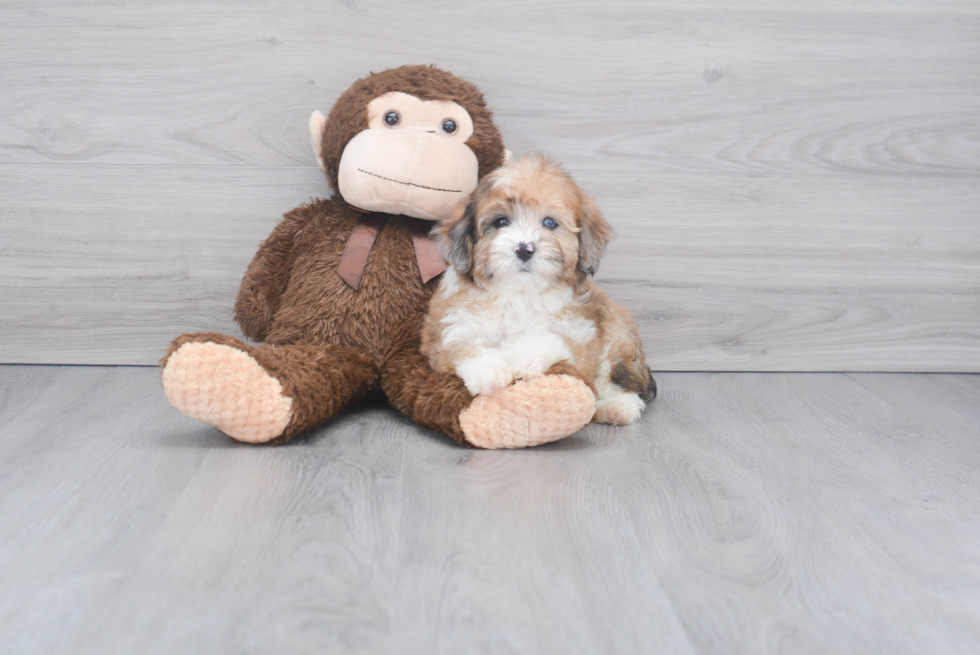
{"points": [[268, 275]]}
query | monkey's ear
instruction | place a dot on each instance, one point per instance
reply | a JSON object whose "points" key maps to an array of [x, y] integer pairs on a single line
{"points": [[457, 235], [593, 238], [317, 123]]}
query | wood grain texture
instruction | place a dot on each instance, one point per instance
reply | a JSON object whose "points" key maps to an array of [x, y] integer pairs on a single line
{"points": [[133, 257], [650, 87], [622, 87], [851, 279], [754, 513], [795, 188]]}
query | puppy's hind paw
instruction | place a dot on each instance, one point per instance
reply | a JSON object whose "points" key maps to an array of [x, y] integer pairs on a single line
{"points": [[621, 409]]}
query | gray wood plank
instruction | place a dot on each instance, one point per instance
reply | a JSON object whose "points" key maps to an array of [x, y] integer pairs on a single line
{"points": [[787, 273], [757, 513], [795, 186], [857, 88], [108, 264], [105, 516], [811, 490], [957, 395], [774, 272], [533, 556]]}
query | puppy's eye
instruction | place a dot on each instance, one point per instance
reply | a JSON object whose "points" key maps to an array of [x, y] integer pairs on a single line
{"points": [[501, 222], [449, 126], [392, 118], [550, 223]]}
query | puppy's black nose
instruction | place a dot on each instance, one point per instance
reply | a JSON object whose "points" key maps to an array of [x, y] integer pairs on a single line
{"points": [[525, 251]]}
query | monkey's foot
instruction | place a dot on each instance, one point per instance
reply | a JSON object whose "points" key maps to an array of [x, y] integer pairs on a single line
{"points": [[529, 413], [225, 387]]}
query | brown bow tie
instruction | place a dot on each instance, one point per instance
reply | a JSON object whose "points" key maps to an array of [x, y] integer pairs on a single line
{"points": [[354, 259]]}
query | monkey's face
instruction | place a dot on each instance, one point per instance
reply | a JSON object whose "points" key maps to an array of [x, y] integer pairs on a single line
{"points": [[412, 159]]}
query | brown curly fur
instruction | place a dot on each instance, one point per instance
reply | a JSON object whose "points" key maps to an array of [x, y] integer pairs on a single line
{"points": [[349, 115], [327, 343]]}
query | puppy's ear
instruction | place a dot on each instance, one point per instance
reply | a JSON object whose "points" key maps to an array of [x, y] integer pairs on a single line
{"points": [[593, 237], [456, 236]]}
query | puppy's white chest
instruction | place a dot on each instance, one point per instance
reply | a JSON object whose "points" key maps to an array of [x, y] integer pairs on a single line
{"points": [[493, 322], [513, 340]]}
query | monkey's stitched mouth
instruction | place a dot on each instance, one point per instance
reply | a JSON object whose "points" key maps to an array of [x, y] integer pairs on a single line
{"points": [[430, 188]]}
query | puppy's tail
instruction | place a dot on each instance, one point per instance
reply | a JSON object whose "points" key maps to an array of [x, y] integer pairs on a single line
{"points": [[651, 388], [635, 376]]}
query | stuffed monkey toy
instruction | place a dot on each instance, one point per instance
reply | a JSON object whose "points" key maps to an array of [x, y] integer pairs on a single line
{"points": [[337, 295]]}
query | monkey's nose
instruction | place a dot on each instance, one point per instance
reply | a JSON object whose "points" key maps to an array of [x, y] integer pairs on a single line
{"points": [[525, 251]]}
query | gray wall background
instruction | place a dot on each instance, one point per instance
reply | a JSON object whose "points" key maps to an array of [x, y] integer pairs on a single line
{"points": [[795, 187]]}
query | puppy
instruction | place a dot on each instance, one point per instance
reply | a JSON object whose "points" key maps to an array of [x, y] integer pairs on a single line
{"points": [[517, 297]]}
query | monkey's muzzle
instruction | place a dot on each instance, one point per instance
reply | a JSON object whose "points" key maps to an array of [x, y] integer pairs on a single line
{"points": [[416, 173]]}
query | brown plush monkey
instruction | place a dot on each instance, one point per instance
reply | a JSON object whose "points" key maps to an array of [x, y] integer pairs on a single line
{"points": [[338, 292]]}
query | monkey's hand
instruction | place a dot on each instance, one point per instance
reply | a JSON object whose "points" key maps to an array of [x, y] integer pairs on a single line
{"points": [[268, 275]]}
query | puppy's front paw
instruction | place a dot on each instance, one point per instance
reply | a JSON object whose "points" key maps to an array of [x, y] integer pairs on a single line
{"points": [[484, 373], [620, 409], [532, 355], [528, 368]]}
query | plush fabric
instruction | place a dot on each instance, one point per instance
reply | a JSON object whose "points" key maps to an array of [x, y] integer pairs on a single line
{"points": [[349, 115], [323, 343], [528, 413], [233, 392], [451, 172]]}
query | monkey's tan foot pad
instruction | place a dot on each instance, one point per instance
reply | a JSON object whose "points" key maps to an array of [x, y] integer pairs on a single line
{"points": [[226, 388], [529, 413]]}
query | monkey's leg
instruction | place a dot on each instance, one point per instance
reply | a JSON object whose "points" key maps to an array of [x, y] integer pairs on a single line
{"points": [[262, 394], [527, 413]]}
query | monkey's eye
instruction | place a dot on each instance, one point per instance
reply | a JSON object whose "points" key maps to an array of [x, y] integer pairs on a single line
{"points": [[501, 222], [549, 223], [449, 126], [392, 118]]}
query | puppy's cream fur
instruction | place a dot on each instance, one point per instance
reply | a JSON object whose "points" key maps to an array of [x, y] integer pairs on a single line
{"points": [[499, 317]]}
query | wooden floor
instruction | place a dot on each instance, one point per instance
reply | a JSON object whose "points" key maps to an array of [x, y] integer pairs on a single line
{"points": [[746, 513]]}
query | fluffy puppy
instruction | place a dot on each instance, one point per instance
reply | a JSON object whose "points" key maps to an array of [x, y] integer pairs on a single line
{"points": [[518, 298]]}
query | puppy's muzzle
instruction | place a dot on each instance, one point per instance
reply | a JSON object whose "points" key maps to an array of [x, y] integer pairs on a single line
{"points": [[525, 251]]}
